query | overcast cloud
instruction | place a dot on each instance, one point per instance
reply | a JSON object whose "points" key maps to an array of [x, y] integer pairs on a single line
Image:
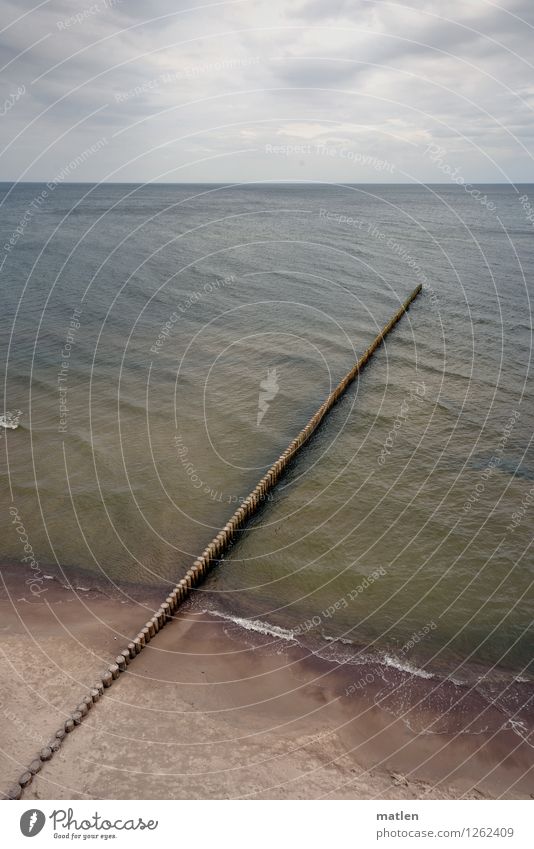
{"points": [[254, 90]]}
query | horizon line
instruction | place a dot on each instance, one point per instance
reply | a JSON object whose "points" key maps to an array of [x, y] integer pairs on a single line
{"points": [[255, 182]]}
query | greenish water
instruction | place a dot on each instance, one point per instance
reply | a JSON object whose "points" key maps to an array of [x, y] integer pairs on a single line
{"points": [[186, 298]]}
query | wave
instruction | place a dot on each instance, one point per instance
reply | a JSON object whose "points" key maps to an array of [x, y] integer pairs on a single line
{"points": [[257, 625], [399, 694], [10, 421], [404, 666], [291, 636]]}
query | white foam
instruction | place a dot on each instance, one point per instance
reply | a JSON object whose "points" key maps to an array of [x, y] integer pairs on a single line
{"points": [[258, 626], [405, 666], [267, 629], [10, 420], [342, 640], [517, 725]]}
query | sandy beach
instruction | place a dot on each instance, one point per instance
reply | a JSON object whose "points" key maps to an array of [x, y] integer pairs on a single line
{"points": [[210, 710]]}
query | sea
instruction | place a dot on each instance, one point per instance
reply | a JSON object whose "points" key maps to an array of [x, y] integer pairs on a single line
{"points": [[162, 345]]}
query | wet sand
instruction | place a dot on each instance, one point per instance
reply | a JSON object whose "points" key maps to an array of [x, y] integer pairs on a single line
{"points": [[209, 710]]}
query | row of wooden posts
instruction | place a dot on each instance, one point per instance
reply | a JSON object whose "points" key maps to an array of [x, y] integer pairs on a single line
{"points": [[209, 557]]}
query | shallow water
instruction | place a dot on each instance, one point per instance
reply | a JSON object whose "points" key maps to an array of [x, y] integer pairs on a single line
{"points": [[158, 311]]}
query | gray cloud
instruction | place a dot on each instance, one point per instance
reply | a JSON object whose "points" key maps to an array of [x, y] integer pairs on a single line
{"points": [[225, 80]]}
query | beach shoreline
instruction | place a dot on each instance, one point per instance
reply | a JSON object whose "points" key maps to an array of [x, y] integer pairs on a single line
{"points": [[212, 710]]}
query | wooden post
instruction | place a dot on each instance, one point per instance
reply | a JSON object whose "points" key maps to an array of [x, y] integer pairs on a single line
{"points": [[210, 555]]}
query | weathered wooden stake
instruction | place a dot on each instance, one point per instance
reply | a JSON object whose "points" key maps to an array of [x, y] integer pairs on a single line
{"points": [[210, 556]]}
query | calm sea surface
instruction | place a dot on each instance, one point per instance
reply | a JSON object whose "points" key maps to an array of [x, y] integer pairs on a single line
{"points": [[140, 324]]}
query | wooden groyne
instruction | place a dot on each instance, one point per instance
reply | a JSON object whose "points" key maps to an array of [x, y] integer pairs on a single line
{"points": [[207, 560]]}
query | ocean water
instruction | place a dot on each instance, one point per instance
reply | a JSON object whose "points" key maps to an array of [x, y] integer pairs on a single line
{"points": [[164, 343]]}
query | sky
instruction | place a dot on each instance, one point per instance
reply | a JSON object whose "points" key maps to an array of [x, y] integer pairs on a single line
{"points": [[320, 90]]}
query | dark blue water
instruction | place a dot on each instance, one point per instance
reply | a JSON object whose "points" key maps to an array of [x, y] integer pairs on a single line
{"points": [[140, 325]]}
